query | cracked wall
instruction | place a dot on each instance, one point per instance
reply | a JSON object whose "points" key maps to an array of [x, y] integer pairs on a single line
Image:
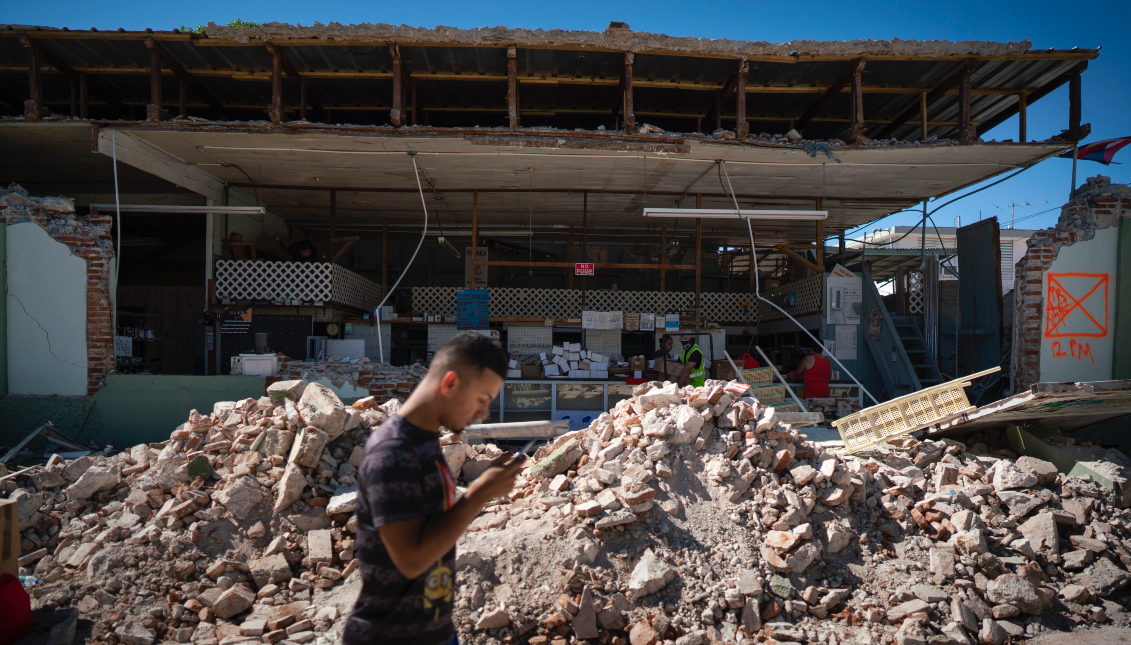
{"points": [[59, 319]]}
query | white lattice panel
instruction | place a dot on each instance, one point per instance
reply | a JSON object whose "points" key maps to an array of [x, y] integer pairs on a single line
{"points": [[807, 293], [915, 292], [565, 303], [528, 339], [438, 335], [602, 341], [306, 282]]}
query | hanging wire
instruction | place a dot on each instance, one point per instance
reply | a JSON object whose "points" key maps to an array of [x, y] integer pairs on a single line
{"points": [[530, 225], [423, 234]]}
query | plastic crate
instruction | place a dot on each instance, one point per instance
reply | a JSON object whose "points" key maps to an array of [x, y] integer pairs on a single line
{"points": [[769, 394], [905, 414], [786, 407], [759, 376]]}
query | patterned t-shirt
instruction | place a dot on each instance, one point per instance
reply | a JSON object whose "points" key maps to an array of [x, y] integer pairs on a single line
{"points": [[403, 477]]}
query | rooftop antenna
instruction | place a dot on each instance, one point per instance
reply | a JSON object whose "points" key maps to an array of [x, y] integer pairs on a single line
{"points": [[1013, 207]]}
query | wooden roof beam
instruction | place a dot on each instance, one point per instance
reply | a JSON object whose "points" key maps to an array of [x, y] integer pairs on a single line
{"points": [[292, 73], [180, 72], [833, 90], [1035, 95], [49, 57], [949, 82]]}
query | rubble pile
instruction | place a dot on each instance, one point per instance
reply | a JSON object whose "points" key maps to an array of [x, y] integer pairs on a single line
{"points": [[381, 380], [231, 531], [693, 516]]}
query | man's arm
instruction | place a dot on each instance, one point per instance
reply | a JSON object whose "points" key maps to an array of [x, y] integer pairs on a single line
{"points": [[414, 546], [685, 375]]}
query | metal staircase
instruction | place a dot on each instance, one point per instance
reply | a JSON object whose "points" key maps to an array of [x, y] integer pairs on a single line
{"points": [[915, 346]]}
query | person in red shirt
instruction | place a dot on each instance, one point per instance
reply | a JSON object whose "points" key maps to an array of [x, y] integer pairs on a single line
{"points": [[814, 371]]}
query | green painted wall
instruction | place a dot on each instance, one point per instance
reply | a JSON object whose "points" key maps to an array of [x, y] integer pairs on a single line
{"points": [[1121, 365], [142, 409]]}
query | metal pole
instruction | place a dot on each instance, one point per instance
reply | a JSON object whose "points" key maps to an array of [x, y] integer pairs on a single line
{"points": [[781, 378], [1072, 192]]}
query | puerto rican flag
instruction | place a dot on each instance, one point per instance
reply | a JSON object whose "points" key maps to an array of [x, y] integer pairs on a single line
{"points": [[1101, 151]]}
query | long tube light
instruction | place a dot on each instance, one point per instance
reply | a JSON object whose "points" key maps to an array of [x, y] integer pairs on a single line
{"points": [[181, 210], [728, 213]]}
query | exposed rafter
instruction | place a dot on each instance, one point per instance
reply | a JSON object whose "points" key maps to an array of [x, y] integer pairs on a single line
{"points": [[299, 80], [950, 82], [65, 69], [179, 70], [832, 91]]}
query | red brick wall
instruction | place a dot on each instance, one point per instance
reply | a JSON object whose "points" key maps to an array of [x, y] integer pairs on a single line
{"points": [[89, 239], [1098, 205]]}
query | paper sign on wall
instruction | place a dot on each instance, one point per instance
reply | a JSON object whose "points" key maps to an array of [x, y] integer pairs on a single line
{"points": [[474, 277], [589, 320], [843, 297], [616, 320], [123, 346], [671, 322], [647, 322], [632, 321], [846, 342]]}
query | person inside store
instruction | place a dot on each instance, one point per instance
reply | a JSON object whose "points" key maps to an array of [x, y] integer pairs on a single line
{"points": [[665, 350], [303, 251], [814, 371], [694, 370], [410, 514]]}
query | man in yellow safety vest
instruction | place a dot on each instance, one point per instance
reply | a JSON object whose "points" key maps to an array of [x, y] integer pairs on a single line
{"points": [[694, 369]]}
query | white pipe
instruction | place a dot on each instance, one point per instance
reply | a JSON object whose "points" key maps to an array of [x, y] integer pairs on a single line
{"points": [[380, 344], [758, 294], [781, 378]]}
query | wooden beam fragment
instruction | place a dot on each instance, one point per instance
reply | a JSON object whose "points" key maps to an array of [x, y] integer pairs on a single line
{"points": [[833, 90], [966, 132], [821, 236], [275, 109], [1022, 116], [856, 128], [187, 79], [396, 115], [153, 111], [342, 251], [796, 256], [512, 87], [34, 109], [741, 127], [923, 116], [1035, 95], [305, 98], [629, 115], [940, 90]]}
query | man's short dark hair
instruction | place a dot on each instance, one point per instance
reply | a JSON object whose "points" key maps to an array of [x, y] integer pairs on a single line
{"points": [[470, 353]]}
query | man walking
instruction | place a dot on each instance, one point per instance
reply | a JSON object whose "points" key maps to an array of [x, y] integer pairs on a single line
{"points": [[409, 514]]}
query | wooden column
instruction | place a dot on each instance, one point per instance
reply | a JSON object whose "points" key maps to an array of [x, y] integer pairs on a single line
{"points": [[333, 221], [966, 132], [275, 110], [663, 260], [1022, 108], [415, 103], [923, 116], [629, 116], [153, 111], [821, 237], [302, 98], [699, 245], [384, 260], [584, 239], [396, 115], [741, 127], [474, 222], [182, 100], [512, 87], [33, 107], [841, 240], [856, 128], [83, 96], [1074, 91], [569, 258]]}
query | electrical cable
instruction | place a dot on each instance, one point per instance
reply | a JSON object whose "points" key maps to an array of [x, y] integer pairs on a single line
{"points": [[757, 291], [424, 205]]}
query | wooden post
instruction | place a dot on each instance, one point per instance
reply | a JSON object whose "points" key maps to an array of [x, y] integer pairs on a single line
{"points": [[302, 98], [1022, 108], [663, 260], [699, 245], [333, 221], [396, 115], [182, 102], [384, 260], [741, 127], [1074, 90], [584, 239], [718, 110], [83, 95], [512, 87], [569, 258], [33, 107], [841, 236], [821, 237], [415, 103], [153, 112], [629, 116], [923, 116], [275, 111], [474, 223], [856, 128], [966, 132]]}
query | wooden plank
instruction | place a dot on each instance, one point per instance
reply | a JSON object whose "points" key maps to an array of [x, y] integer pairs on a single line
{"points": [[796, 256], [663, 260], [1035, 95], [629, 114], [153, 111], [949, 82], [923, 116], [966, 132], [827, 95], [856, 127], [179, 70], [1022, 115], [275, 110], [512, 88], [396, 115], [821, 237], [741, 127], [570, 257]]}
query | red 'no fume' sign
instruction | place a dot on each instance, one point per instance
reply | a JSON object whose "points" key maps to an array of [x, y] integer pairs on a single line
{"points": [[583, 269]]}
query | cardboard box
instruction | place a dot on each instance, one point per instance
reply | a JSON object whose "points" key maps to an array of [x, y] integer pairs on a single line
{"points": [[531, 371], [9, 537], [599, 374], [514, 373], [636, 363]]}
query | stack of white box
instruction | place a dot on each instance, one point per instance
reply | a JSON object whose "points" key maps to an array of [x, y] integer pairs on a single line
{"points": [[572, 361]]}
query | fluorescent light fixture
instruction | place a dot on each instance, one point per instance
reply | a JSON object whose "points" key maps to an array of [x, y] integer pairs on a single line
{"points": [[728, 213], [448, 245], [179, 210]]}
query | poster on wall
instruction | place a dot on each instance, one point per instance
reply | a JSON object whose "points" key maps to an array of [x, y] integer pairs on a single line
{"points": [[846, 342], [472, 309], [589, 320], [474, 277], [632, 321], [843, 297], [603, 321], [123, 346], [647, 322], [671, 323], [616, 320], [875, 324]]}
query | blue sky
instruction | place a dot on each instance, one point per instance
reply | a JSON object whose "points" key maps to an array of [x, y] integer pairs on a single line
{"points": [[1106, 84]]}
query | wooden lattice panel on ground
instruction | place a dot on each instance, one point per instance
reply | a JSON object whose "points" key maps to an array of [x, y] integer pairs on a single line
{"points": [[305, 282], [905, 414]]}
